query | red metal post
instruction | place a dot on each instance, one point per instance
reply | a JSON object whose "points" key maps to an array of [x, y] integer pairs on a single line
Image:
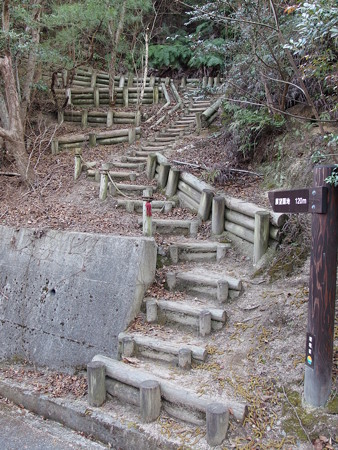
{"points": [[322, 295]]}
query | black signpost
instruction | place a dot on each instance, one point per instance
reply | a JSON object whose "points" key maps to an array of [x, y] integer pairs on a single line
{"points": [[322, 200]]}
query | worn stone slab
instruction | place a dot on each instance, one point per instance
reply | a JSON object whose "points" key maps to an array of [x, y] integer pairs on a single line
{"points": [[64, 296]]}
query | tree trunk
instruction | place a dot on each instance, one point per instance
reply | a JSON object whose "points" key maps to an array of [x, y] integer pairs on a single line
{"points": [[115, 44], [14, 134]]}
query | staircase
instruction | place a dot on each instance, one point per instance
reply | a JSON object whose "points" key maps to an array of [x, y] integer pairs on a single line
{"points": [[161, 353]]}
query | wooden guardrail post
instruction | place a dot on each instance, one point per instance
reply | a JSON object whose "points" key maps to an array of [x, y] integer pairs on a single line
{"points": [[205, 204], [92, 140], [110, 118], [198, 122], [163, 175], [217, 416], [96, 94], [156, 94], [125, 95], [96, 377], [78, 163], [150, 400], [173, 178], [84, 118], [261, 234], [217, 219], [61, 117], [55, 146], [151, 166], [104, 182]]}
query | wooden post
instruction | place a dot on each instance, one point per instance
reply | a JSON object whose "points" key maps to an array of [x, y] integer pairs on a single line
{"points": [[110, 118], [96, 376], [217, 416], [93, 79], [156, 95], [125, 96], [205, 204], [104, 182], [96, 94], [55, 146], [217, 220], [78, 163], [69, 96], [138, 118], [84, 118], [131, 135], [61, 117], [173, 178], [261, 234], [198, 122], [147, 219], [151, 166], [163, 175], [92, 140], [150, 400], [322, 294], [184, 358], [205, 322]]}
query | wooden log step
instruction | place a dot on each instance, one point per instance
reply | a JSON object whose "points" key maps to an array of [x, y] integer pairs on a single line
{"points": [[196, 109], [197, 251], [123, 175], [205, 278], [134, 187], [156, 348], [147, 152], [166, 139], [184, 313], [149, 148], [129, 165], [126, 379], [137, 205], [176, 227], [137, 158]]}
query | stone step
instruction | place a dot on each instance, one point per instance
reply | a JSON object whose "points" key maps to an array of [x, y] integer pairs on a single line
{"points": [[164, 206], [131, 386], [197, 251], [205, 284], [175, 227], [202, 319], [154, 348]]}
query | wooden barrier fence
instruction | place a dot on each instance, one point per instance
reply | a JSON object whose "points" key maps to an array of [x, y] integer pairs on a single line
{"points": [[255, 225], [100, 96], [100, 118], [105, 138]]}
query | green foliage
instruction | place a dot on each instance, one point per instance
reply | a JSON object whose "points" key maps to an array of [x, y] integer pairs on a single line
{"points": [[175, 53], [316, 40], [333, 178], [248, 123]]}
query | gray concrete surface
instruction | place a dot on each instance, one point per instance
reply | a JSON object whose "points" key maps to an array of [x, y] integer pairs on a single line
{"points": [[20, 429], [103, 426], [65, 296]]}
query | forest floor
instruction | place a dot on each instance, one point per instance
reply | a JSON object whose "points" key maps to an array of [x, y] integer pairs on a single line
{"points": [[260, 353]]}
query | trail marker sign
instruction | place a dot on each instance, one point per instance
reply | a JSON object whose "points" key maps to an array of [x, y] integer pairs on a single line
{"points": [[322, 201], [313, 200]]}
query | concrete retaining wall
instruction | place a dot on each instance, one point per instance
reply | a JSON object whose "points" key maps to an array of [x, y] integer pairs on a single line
{"points": [[65, 296]]}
